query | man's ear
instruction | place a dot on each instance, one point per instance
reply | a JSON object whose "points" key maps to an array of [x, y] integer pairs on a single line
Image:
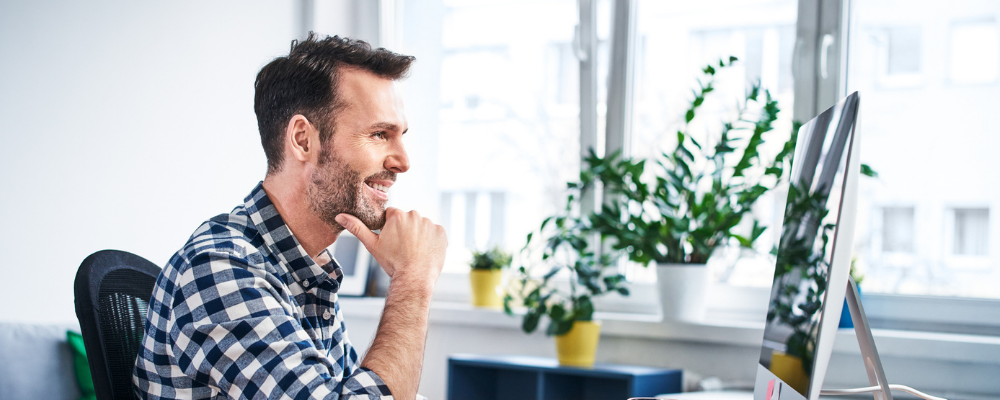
{"points": [[302, 139]]}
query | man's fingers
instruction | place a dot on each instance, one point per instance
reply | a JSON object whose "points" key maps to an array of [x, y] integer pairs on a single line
{"points": [[358, 229]]}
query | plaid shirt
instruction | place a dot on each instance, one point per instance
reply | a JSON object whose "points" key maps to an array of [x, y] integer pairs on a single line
{"points": [[242, 312]]}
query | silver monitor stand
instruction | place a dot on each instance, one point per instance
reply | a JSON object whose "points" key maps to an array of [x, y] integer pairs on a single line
{"points": [[873, 365]]}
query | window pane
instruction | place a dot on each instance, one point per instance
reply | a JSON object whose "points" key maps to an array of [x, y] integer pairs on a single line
{"points": [[897, 229], [675, 41], [927, 75], [904, 50], [971, 231], [508, 121]]}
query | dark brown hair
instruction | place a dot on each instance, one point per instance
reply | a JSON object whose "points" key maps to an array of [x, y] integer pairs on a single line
{"points": [[305, 82]]}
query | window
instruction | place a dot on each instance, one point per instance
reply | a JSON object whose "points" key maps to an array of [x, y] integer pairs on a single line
{"points": [[676, 40], [506, 117], [892, 245], [930, 206], [474, 219], [970, 230], [975, 51], [895, 53], [897, 229], [512, 139], [903, 50], [565, 67]]}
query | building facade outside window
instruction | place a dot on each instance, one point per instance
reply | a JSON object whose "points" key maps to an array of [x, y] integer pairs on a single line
{"points": [[929, 138]]}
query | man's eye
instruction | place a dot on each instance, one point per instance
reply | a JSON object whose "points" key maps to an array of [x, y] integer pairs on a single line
{"points": [[379, 135]]}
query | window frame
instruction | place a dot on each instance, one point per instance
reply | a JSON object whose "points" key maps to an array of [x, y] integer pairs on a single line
{"points": [[823, 29], [975, 316]]}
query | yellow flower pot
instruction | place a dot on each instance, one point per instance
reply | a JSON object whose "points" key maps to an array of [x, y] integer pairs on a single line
{"points": [[578, 346], [486, 288], [789, 369]]}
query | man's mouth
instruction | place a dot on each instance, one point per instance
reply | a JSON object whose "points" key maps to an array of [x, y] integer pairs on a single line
{"points": [[381, 188], [380, 183]]}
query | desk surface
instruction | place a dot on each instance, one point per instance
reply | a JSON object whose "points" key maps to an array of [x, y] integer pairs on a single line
{"points": [[723, 395]]}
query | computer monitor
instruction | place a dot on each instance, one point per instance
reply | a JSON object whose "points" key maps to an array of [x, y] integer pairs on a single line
{"points": [[814, 257]]}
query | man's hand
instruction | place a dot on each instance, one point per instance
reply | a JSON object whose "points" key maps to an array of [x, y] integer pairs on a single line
{"points": [[409, 246], [411, 250]]}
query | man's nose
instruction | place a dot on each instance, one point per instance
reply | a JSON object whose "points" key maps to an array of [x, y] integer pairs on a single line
{"points": [[397, 161]]}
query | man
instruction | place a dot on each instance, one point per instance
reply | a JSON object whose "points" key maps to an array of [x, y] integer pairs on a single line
{"points": [[248, 307]]}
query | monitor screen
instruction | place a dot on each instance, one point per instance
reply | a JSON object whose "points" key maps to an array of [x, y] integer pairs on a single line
{"points": [[813, 257]]}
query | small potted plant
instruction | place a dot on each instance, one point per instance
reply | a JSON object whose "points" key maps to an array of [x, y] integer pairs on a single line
{"points": [[568, 304], [695, 200], [487, 268]]}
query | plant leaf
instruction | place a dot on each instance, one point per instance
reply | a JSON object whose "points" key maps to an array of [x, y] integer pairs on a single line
{"points": [[867, 170], [583, 309], [530, 322]]}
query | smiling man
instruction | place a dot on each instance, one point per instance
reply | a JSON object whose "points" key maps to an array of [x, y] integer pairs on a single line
{"points": [[248, 309]]}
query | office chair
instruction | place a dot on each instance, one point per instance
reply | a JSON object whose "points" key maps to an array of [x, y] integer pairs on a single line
{"points": [[112, 291]]}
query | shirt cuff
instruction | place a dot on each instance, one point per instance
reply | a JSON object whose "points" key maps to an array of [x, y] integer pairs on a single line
{"points": [[366, 384]]}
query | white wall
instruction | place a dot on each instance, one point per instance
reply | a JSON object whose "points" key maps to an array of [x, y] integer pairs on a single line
{"points": [[124, 125]]}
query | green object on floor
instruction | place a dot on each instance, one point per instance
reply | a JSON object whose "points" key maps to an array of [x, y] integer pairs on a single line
{"points": [[80, 366]]}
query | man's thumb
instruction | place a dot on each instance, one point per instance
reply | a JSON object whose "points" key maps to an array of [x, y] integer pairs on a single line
{"points": [[358, 229]]}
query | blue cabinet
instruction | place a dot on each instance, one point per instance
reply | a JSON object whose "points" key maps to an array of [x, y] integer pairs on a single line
{"points": [[504, 377]]}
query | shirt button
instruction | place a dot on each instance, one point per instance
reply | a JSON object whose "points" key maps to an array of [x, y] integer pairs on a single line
{"points": [[326, 314]]}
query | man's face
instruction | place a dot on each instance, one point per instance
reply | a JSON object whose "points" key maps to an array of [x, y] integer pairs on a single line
{"points": [[360, 161]]}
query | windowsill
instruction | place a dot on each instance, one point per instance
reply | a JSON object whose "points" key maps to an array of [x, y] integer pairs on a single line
{"points": [[891, 343]]}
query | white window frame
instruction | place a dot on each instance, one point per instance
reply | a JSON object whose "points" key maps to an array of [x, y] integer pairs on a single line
{"points": [[820, 72], [887, 311]]}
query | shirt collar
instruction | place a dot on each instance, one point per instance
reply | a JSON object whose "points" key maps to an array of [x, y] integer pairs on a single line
{"points": [[285, 246]]}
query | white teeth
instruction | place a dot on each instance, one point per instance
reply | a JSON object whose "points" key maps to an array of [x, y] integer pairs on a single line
{"points": [[378, 187]]}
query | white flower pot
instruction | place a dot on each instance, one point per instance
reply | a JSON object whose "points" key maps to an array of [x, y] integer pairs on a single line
{"points": [[683, 291]]}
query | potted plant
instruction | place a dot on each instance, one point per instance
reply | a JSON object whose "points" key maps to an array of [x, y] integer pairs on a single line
{"points": [[566, 253], [487, 267], [695, 200]]}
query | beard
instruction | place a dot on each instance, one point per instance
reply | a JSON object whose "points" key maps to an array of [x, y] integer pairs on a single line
{"points": [[336, 188]]}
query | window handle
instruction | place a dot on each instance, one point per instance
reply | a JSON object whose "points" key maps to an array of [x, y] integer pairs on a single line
{"points": [[824, 55], [578, 50]]}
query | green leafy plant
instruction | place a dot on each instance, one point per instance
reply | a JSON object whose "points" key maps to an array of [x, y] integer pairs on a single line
{"points": [[700, 192], [492, 259], [566, 249]]}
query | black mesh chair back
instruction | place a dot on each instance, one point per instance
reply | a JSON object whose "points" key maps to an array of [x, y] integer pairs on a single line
{"points": [[112, 292]]}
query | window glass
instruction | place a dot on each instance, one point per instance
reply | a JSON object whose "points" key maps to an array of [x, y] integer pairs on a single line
{"points": [[675, 41], [927, 74], [903, 50], [507, 125], [897, 229], [972, 232]]}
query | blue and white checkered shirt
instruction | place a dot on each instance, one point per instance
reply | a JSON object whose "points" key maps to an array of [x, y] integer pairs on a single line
{"points": [[242, 312]]}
